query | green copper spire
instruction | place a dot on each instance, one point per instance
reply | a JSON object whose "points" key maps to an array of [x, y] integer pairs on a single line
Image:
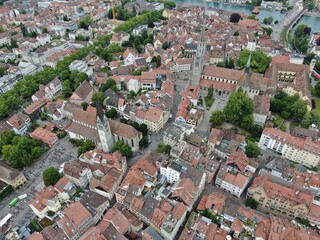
{"points": [[249, 61]]}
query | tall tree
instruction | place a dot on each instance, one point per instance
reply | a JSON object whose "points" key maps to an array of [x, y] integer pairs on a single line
{"points": [[217, 118], [51, 176], [239, 110]]}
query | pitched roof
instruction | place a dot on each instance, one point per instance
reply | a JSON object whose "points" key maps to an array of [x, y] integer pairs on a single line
{"points": [[124, 130], [83, 90], [231, 74], [186, 190]]}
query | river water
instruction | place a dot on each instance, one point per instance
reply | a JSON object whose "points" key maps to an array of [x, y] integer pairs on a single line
{"points": [[311, 21]]}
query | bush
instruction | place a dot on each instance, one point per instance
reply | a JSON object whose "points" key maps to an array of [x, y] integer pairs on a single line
{"points": [[164, 148], [252, 203]]}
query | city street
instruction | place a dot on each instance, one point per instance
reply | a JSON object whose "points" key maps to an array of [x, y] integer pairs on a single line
{"points": [[62, 152], [278, 28]]}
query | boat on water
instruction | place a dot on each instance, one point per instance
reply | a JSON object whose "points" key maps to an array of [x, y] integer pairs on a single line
{"points": [[256, 10]]}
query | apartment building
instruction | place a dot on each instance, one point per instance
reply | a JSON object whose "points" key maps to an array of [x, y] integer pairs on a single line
{"points": [[277, 199], [77, 174], [48, 91], [11, 176], [47, 200], [76, 221], [19, 123], [45, 136], [300, 150], [154, 119]]}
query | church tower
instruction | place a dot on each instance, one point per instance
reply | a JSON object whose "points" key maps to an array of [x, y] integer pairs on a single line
{"points": [[104, 130]]}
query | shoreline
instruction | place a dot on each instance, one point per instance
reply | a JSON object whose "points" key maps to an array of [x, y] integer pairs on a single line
{"points": [[312, 14], [240, 5]]}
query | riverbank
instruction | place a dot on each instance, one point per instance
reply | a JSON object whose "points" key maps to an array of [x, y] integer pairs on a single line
{"points": [[312, 14]]}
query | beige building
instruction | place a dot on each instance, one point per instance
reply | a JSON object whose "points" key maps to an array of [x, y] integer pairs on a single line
{"points": [[296, 149], [278, 199], [154, 119], [11, 176], [46, 201]]}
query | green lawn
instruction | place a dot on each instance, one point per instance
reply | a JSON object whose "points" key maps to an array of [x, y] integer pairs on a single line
{"points": [[317, 103], [294, 124], [209, 102], [278, 119], [313, 92]]}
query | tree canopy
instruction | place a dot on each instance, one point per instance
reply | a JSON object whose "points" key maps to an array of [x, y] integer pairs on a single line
{"points": [[164, 148], [217, 118], [20, 151], [143, 18], [259, 60], [301, 38], [123, 148], [239, 110], [252, 150], [51, 176], [235, 17], [289, 107]]}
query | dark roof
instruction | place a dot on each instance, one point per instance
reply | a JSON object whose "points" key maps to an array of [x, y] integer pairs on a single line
{"points": [[141, 62], [152, 233], [93, 199], [148, 207], [112, 97]]}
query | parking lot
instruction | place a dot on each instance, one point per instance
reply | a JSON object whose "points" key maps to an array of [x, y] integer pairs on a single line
{"points": [[62, 152]]}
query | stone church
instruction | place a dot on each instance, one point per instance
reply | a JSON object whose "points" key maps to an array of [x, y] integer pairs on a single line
{"points": [[92, 124]]}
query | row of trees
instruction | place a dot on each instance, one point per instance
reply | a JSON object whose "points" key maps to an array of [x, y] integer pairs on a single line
{"points": [[12, 99], [122, 13], [301, 38], [144, 18], [20, 151], [139, 41]]}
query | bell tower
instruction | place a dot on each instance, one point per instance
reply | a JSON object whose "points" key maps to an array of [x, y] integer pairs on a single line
{"points": [[104, 130]]}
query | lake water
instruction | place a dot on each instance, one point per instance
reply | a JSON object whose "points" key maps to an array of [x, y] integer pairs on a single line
{"points": [[311, 21]]}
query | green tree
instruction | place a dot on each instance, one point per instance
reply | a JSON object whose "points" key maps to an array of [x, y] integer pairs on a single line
{"points": [[307, 59], [252, 150], [164, 148], [301, 38], [239, 110], [13, 43], [97, 96], [217, 118], [259, 61], [165, 45], [84, 105], [252, 203], [144, 129], [6, 138], [2, 71], [84, 146], [144, 142], [267, 31], [110, 83], [123, 148], [236, 33], [268, 20], [44, 30], [51, 176], [85, 22], [112, 113], [256, 131], [235, 17]]}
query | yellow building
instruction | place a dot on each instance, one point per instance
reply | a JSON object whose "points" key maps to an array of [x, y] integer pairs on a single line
{"points": [[280, 200], [11, 176]]}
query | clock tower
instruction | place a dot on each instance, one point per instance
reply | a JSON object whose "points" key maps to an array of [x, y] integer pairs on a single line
{"points": [[104, 130]]}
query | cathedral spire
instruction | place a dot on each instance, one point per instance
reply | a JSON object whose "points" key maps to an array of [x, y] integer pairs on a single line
{"points": [[249, 61], [100, 114]]}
